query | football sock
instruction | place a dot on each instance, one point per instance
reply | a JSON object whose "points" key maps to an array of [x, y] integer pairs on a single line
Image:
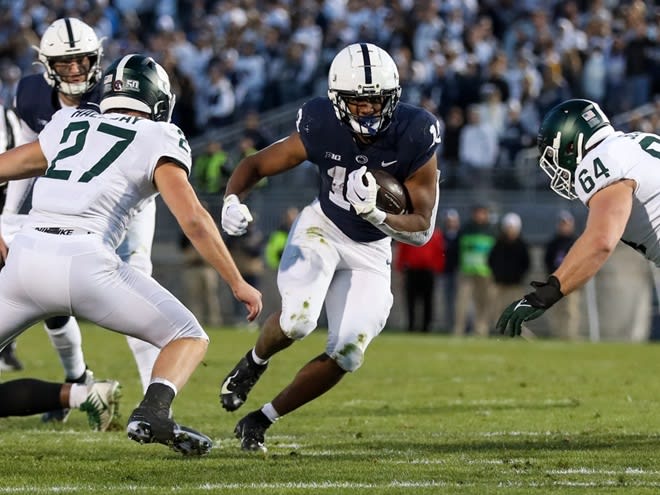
{"points": [[145, 356], [77, 395], [27, 396], [254, 359], [159, 395], [67, 341], [269, 411]]}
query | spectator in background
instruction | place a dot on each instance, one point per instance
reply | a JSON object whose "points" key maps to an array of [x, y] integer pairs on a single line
{"points": [[247, 252], [478, 149], [201, 284], [256, 132], [564, 323], [211, 169], [450, 146], [218, 97], [638, 48], [420, 265], [513, 139], [277, 239], [509, 262], [451, 225], [475, 285]]}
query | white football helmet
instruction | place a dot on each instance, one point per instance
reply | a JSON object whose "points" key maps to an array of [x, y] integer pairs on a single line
{"points": [[363, 70], [68, 38]]}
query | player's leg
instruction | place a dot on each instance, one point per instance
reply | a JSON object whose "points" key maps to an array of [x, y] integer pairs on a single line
{"points": [[306, 270], [64, 334], [27, 396], [129, 302], [410, 291], [427, 287], [135, 250], [9, 360], [358, 303]]}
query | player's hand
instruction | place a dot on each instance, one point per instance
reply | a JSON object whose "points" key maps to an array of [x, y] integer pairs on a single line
{"points": [[511, 320], [235, 216], [249, 296], [361, 190], [529, 307]]}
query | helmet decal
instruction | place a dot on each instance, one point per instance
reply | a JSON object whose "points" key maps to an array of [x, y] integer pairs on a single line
{"points": [[137, 82]]}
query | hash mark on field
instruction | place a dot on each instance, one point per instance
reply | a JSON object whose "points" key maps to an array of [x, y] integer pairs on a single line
{"points": [[584, 470], [321, 485]]}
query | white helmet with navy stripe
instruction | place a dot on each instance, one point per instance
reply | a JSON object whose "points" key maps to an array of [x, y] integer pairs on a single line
{"points": [[63, 40], [363, 70], [137, 82]]}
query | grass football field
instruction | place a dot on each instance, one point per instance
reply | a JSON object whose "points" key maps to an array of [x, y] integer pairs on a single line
{"points": [[426, 414]]}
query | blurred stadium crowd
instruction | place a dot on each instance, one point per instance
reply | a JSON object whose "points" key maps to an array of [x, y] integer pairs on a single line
{"points": [[514, 59], [489, 69]]}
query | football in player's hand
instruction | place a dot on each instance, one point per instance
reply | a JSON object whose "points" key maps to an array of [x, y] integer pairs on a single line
{"points": [[392, 195]]}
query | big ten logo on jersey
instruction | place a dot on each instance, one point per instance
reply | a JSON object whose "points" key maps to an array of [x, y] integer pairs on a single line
{"points": [[333, 156]]}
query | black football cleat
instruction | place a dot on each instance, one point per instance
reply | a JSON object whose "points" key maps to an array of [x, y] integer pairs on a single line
{"points": [[8, 359], [237, 384], [148, 425], [250, 431]]}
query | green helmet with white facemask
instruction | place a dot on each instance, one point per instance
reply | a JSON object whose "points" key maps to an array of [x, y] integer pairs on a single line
{"points": [[137, 82], [567, 133]]}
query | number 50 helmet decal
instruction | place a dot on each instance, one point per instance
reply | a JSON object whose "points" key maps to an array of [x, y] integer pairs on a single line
{"points": [[136, 82]]}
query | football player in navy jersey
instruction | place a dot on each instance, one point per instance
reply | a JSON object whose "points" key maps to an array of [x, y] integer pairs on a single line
{"points": [[339, 250], [9, 129], [71, 54]]}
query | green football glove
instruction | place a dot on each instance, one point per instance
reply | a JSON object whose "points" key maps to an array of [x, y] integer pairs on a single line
{"points": [[529, 307]]}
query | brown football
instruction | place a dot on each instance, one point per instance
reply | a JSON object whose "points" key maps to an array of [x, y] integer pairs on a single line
{"points": [[392, 195]]}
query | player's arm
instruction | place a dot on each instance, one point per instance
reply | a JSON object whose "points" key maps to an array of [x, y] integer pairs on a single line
{"points": [[198, 225], [609, 211], [422, 191], [414, 228], [25, 161], [280, 156]]}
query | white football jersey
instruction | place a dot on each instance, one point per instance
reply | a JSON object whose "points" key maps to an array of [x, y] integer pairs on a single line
{"points": [[634, 156], [101, 170]]}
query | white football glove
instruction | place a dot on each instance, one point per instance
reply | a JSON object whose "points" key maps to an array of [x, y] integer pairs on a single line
{"points": [[363, 197], [235, 216]]}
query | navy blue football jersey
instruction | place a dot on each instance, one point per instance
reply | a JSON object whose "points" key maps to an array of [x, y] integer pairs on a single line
{"points": [[408, 143], [37, 101]]}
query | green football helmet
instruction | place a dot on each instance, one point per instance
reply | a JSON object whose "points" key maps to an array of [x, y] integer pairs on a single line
{"points": [[136, 82], [567, 133]]}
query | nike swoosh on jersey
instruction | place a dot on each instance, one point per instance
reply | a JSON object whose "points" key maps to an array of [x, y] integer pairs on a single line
{"points": [[387, 164]]}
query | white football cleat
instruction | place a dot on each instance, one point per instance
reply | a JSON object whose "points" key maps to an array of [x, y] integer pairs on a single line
{"points": [[102, 404]]}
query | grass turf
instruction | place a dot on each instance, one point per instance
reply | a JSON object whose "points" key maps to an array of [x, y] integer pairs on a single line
{"points": [[426, 414]]}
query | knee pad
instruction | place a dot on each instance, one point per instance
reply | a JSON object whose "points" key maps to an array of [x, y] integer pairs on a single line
{"points": [[349, 358]]}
